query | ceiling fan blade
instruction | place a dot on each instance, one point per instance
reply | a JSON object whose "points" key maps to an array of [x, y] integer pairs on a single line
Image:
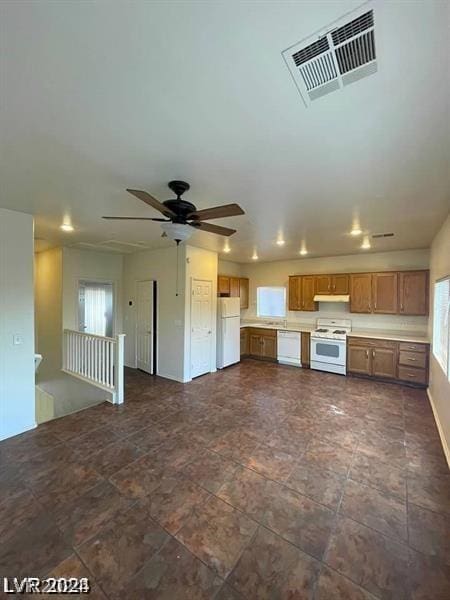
{"points": [[151, 201], [137, 219], [217, 212], [213, 228]]}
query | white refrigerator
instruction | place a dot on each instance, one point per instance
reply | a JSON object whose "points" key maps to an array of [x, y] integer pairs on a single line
{"points": [[228, 331]]}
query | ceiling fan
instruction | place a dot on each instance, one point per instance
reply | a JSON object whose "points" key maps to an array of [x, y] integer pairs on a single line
{"points": [[181, 215]]}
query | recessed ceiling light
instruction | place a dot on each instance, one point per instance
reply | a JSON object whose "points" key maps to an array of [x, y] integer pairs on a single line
{"points": [[226, 248], [280, 242], [366, 243], [66, 227], [255, 256], [303, 251], [356, 231]]}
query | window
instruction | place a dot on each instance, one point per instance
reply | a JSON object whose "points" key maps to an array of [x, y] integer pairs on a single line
{"points": [[441, 324], [271, 302]]}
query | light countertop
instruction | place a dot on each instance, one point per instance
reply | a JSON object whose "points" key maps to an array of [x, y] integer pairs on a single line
{"points": [[415, 337]]}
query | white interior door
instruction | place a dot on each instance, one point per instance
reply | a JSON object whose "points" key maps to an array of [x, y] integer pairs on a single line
{"points": [[201, 327], [144, 326]]}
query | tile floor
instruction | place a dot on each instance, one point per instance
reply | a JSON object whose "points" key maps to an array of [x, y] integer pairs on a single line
{"points": [[260, 481]]}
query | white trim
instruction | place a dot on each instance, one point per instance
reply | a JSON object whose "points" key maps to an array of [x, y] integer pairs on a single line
{"points": [[445, 448]]}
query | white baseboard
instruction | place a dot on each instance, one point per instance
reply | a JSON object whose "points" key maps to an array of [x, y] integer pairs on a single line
{"points": [[440, 428]]}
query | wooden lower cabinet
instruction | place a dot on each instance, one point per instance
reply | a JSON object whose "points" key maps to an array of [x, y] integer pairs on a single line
{"points": [[244, 342], [306, 349], [398, 361], [262, 343]]}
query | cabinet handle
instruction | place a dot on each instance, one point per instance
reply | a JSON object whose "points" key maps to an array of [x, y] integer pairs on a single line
{"points": [[413, 359], [401, 306], [367, 354], [373, 353], [375, 306]]}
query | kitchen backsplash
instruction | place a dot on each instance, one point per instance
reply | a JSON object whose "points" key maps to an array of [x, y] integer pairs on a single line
{"points": [[341, 311]]}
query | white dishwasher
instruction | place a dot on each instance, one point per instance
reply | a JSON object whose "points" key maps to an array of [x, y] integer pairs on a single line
{"points": [[289, 347]]}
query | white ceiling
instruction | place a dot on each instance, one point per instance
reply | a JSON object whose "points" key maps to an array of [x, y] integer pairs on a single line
{"points": [[97, 97]]}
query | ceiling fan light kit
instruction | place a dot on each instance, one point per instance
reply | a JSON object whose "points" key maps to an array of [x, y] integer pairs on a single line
{"points": [[180, 214]]}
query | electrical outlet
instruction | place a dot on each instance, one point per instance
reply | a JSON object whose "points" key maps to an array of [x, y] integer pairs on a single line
{"points": [[17, 339]]}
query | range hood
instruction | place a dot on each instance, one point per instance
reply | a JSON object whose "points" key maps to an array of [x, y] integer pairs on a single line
{"points": [[330, 298]]}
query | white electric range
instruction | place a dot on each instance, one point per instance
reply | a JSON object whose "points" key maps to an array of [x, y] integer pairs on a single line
{"points": [[329, 345]]}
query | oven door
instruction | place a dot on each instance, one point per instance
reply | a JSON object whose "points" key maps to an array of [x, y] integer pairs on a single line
{"points": [[328, 351]]}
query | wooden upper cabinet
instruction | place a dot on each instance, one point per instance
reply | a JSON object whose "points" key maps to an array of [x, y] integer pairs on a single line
{"points": [[223, 285], [244, 291], [413, 293], [323, 284], [295, 293], [340, 284], [234, 287], [361, 293], [307, 295], [385, 293]]}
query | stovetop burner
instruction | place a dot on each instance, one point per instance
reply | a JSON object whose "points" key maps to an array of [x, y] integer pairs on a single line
{"points": [[339, 331], [321, 330]]}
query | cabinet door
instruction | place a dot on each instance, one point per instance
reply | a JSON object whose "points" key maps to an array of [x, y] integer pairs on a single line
{"points": [[306, 342], [384, 291], [223, 285], [361, 293], [244, 342], [295, 293], [359, 360], [384, 362], [413, 293], [308, 288], [269, 346], [340, 284], [323, 284], [255, 343], [234, 287], [243, 291]]}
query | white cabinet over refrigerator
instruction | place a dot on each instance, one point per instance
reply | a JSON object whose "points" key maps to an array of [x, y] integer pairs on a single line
{"points": [[228, 331]]}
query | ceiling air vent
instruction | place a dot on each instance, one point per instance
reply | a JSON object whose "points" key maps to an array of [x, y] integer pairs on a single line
{"points": [[342, 53], [382, 235]]}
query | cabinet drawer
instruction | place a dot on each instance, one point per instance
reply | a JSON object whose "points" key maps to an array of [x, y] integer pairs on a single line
{"points": [[412, 374], [263, 331], [412, 359], [410, 347], [372, 343]]}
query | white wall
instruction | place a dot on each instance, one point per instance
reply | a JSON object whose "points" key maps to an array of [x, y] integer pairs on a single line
{"points": [[200, 264], [277, 274], [439, 389], [227, 267], [17, 400], [160, 266]]}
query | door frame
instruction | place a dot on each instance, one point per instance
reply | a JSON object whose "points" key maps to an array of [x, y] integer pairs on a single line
{"points": [[213, 328], [154, 328], [114, 294]]}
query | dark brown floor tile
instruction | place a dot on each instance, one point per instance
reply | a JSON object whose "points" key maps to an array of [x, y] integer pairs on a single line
{"points": [[324, 456], [92, 441], [331, 585], [172, 503], [429, 532], [217, 533], [383, 512], [227, 593], [429, 578], [236, 445], [271, 463], [426, 463], [22, 447], [210, 470], [17, 508], [140, 478], [299, 520], [270, 568], [248, 491], [373, 561], [388, 451], [287, 442], [149, 438], [119, 551], [88, 513], [325, 487], [175, 574], [35, 549], [114, 457], [382, 476], [73, 567], [65, 484], [430, 492]]}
